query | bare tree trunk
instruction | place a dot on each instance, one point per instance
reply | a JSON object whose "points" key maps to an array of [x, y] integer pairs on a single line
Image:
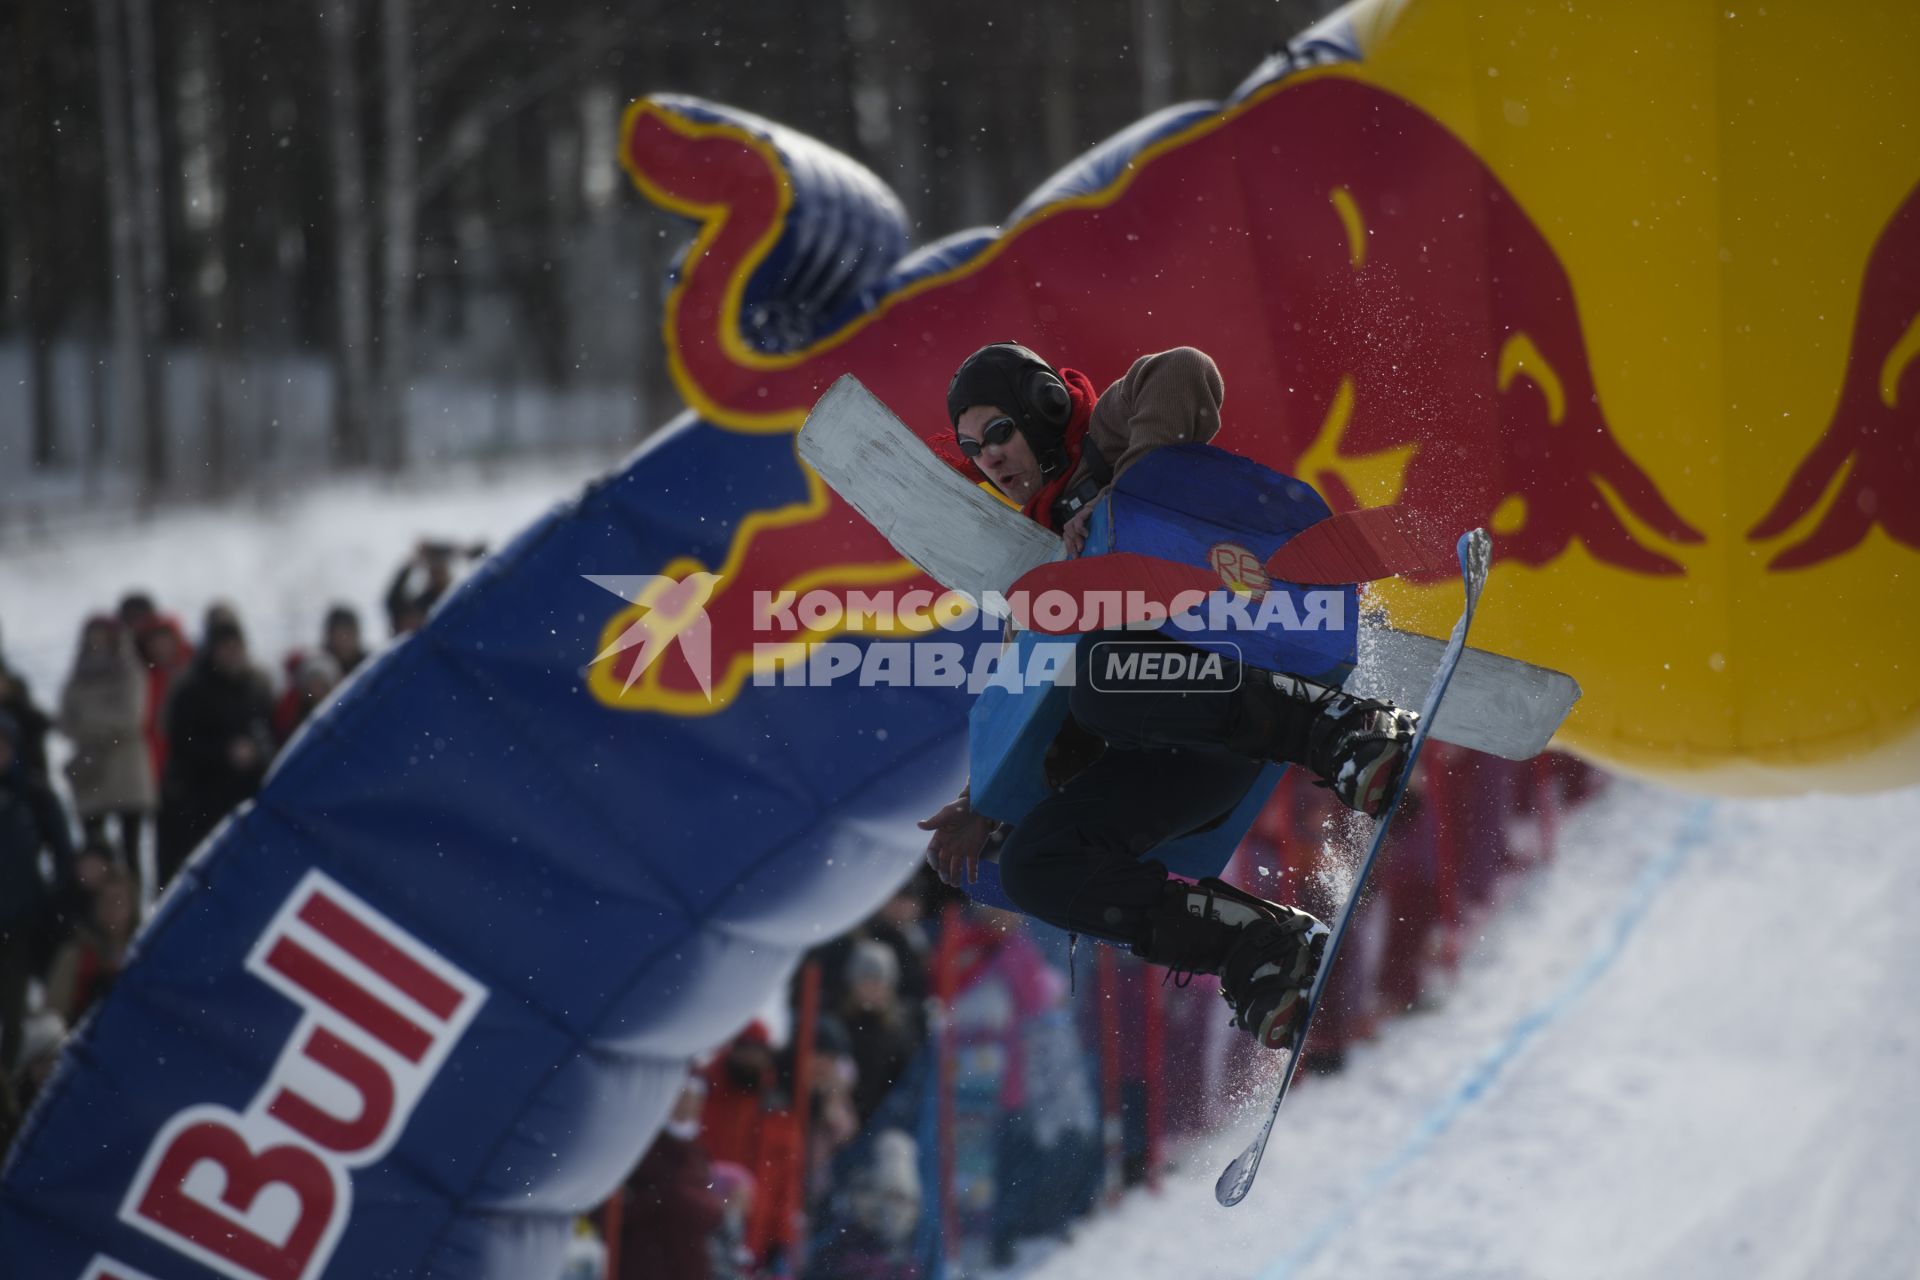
{"points": [[400, 204], [1153, 52], [353, 366], [909, 177], [95, 465], [889, 105], [201, 108], [983, 181], [129, 403], [1058, 105], [150, 230], [31, 210]]}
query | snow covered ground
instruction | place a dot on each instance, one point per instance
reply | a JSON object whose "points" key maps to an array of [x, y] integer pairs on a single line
{"points": [[1690, 1048], [282, 565]]}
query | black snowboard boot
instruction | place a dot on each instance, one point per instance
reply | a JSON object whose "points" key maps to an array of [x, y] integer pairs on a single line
{"points": [[1266, 954], [1358, 746]]}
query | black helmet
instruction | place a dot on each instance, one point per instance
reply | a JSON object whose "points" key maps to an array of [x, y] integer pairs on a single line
{"points": [[1027, 388]]}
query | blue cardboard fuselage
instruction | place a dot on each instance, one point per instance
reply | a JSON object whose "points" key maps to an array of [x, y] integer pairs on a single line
{"points": [[1200, 506]]}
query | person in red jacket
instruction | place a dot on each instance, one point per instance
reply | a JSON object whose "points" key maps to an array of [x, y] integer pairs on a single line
{"points": [[163, 647], [672, 1211], [311, 680], [749, 1121]]}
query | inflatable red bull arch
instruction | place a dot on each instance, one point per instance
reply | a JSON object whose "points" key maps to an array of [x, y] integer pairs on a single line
{"points": [[1638, 288]]}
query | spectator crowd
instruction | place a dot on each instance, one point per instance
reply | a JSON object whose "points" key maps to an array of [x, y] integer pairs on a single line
{"points": [[154, 737], [798, 1149], [839, 1148]]}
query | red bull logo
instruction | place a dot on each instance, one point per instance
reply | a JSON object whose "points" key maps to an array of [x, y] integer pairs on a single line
{"points": [[1475, 275], [264, 1193], [1240, 569], [1399, 305], [1869, 455], [108, 1269]]}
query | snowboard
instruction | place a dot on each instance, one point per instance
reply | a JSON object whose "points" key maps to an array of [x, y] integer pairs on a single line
{"points": [[1475, 551]]}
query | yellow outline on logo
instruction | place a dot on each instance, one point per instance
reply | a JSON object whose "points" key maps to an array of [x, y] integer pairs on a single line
{"points": [[714, 219], [647, 693]]}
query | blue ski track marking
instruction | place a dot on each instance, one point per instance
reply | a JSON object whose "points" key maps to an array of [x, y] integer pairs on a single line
{"points": [[1478, 1082]]}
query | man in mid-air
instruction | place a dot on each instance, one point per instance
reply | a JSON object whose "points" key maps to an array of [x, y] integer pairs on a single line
{"points": [[1173, 762]]}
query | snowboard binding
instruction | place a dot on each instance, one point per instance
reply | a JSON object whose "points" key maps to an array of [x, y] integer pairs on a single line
{"points": [[1265, 954]]}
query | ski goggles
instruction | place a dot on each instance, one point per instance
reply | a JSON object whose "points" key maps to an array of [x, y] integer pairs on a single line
{"points": [[999, 431]]}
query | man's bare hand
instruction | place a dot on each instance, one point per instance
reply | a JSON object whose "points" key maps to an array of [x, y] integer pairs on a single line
{"points": [[1075, 534], [958, 836]]}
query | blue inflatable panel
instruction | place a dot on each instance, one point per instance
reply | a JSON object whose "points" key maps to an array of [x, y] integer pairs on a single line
{"points": [[845, 231], [431, 994], [1328, 41]]}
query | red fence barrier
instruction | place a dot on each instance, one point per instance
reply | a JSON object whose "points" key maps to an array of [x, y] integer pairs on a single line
{"points": [[1470, 820], [1056, 1100]]}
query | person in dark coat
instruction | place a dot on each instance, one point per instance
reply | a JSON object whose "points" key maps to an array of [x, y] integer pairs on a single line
{"points": [[878, 1026], [31, 724], [136, 611], [219, 742], [32, 823], [900, 923], [340, 637], [418, 585]]}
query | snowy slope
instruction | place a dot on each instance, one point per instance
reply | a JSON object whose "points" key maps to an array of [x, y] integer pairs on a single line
{"points": [[282, 565], [1690, 1049]]}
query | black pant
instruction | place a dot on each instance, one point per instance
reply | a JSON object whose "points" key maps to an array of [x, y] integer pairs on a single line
{"points": [[16, 971], [1079, 860]]}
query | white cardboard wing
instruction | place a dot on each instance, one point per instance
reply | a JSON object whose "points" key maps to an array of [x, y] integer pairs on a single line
{"points": [[971, 542], [966, 539]]}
